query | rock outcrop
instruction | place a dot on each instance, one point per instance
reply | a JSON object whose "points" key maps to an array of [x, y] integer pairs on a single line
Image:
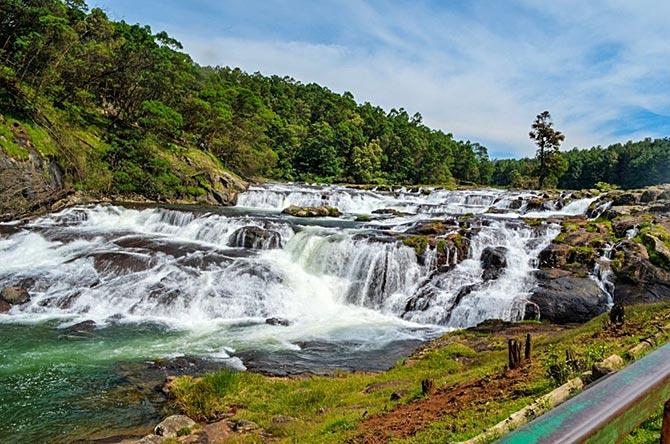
{"points": [[28, 185], [562, 297]]}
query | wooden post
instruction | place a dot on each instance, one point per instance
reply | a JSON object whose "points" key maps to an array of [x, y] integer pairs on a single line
{"points": [[510, 354], [426, 386], [529, 347], [665, 428], [513, 353]]}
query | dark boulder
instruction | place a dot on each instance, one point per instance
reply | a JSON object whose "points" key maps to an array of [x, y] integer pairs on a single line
{"points": [[562, 297], [649, 196], [15, 295], [278, 321], [554, 256], [255, 238], [626, 199], [493, 262]]}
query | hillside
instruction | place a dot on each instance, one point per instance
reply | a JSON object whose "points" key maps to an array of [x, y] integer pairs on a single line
{"points": [[115, 109]]}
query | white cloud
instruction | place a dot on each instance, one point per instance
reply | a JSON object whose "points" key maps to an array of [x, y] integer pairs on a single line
{"points": [[485, 74]]}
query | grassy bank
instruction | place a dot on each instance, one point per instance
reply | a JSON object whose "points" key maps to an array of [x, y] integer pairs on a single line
{"points": [[472, 390]]}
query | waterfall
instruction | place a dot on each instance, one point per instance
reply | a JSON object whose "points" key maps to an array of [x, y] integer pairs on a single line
{"points": [[186, 268]]}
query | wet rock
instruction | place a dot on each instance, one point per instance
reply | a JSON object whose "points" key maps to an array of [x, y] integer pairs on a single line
{"points": [[312, 211], [625, 199], [172, 424], [493, 262], [119, 262], [391, 211], [5, 306], [554, 256], [15, 295], [242, 426], [648, 196], [431, 228], [82, 327], [515, 204], [564, 298], [531, 312], [622, 226], [255, 238], [536, 204], [278, 321]]}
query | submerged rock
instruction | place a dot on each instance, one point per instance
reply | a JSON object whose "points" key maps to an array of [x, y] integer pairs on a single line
{"points": [[311, 211], [563, 298], [172, 424], [493, 262], [82, 327], [278, 321]]}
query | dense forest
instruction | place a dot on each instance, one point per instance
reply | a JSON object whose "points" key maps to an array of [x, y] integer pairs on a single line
{"points": [[140, 101]]}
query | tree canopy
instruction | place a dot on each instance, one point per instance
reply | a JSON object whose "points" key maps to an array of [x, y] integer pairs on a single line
{"points": [[147, 100]]}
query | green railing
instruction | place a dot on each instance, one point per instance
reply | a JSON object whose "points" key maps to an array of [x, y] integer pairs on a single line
{"points": [[608, 410]]}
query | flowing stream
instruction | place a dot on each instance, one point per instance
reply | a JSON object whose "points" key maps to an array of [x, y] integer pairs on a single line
{"points": [[245, 287]]}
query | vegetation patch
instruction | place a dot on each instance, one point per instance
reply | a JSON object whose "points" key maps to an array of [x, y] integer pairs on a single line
{"points": [[473, 389]]}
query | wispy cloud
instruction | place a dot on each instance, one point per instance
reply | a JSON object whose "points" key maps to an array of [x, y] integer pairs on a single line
{"points": [[479, 69]]}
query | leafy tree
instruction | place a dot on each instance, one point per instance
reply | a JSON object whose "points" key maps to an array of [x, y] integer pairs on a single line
{"points": [[548, 141]]}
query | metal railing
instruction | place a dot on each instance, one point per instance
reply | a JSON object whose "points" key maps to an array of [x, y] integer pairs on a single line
{"points": [[609, 410]]}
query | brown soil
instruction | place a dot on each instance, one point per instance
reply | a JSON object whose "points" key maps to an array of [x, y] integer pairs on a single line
{"points": [[408, 419]]}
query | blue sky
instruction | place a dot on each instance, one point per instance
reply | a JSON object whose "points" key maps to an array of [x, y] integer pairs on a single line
{"points": [[480, 69]]}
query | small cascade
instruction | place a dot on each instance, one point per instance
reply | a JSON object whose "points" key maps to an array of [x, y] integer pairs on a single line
{"points": [[370, 272], [462, 298], [603, 274]]}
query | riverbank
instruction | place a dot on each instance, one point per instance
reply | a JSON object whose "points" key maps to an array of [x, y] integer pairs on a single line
{"points": [[471, 389]]}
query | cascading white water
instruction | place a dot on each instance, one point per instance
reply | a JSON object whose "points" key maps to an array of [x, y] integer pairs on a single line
{"points": [[334, 280]]}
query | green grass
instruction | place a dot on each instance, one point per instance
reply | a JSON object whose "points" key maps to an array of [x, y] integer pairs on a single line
{"points": [[331, 409]]}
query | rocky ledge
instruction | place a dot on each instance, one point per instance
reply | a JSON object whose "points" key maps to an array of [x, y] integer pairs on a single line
{"points": [[325, 211], [619, 254]]}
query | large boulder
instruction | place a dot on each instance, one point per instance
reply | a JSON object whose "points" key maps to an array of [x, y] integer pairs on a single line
{"points": [[563, 298], [15, 295], [493, 262], [255, 238]]}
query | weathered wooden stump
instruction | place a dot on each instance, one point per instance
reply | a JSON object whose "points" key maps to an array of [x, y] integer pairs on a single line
{"points": [[514, 353], [528, 349]]}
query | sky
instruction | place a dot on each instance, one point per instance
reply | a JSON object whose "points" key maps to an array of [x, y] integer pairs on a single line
{"points": [[479, 69]]}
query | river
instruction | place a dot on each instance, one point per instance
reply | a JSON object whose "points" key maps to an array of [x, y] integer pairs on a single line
{"points": [[245, 287]]}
